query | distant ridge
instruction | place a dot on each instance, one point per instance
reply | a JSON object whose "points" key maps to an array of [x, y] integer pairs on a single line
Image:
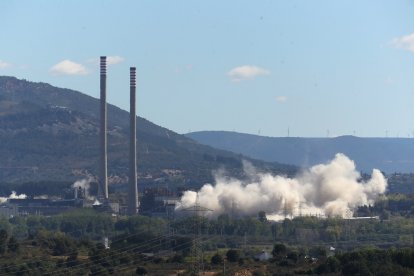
{"points": [[387, 154]]}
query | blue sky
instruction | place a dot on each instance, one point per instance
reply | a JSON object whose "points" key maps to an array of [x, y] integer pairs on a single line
{"points": [[246, 66]]}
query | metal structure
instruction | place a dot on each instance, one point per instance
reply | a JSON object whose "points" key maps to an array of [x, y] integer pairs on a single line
{"points": [[197, 252], [133, 202], [103, 164]]}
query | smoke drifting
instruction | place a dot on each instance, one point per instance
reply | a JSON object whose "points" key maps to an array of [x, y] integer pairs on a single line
{"points": [[13, 195], [85, 185], [332, 189]]}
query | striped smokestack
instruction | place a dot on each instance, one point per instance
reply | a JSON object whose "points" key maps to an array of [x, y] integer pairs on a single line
{"points": [[103, 166], [133, 202]]}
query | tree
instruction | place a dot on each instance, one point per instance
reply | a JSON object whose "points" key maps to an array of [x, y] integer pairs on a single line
{"points": [[262, 216], [318, 251], [13, 245], [274, 229], [3, 241], [279, 249], [141, 270], [294, 256], [233, 255], [356, 268], [385, 214], [72, 260], [58, 242], [216, 259], [332, 265], [258, 273]]}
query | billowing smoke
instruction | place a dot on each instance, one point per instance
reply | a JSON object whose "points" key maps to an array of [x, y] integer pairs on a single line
{"points": [[96, 203], [84, 184], [332, 189], [13, 195]]}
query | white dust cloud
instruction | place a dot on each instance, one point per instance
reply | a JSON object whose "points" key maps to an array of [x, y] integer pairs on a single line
{"points": [[84, 184], [332, 189], [13, 195]]}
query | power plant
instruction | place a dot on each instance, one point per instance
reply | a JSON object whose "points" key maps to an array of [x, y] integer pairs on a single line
{"points": [[78, 197], [282, 198]]}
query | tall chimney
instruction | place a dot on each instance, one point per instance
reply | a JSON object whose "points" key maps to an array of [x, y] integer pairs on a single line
{"points": [[103, 166], [133, 202]]}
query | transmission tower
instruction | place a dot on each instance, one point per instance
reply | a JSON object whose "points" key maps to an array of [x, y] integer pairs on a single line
{"points": [[300, 207], [197, 250], [285, 210]]}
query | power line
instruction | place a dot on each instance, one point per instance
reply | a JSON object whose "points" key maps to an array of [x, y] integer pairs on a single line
{"points": [[119, 251]]}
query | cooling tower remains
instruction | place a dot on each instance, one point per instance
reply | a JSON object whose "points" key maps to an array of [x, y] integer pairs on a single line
{"points": [[332, 189]]}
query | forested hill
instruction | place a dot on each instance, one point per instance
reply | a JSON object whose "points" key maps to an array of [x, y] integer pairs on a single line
{"points": [[387, 154], [50, 133]]}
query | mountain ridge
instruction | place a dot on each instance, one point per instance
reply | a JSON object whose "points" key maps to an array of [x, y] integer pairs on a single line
{"points": [[387, 154], [50, 133]]}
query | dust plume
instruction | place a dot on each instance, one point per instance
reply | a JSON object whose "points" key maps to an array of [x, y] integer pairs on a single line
{"points": [[84, 184], [332, 189], [13, 195]]}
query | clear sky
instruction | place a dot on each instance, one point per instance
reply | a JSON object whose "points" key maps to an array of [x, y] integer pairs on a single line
{"points": [[248, 66]]}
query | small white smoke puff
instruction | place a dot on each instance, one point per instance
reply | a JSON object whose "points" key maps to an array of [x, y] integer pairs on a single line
{"points": [[85, 185], [332, 189], [13, 195]]}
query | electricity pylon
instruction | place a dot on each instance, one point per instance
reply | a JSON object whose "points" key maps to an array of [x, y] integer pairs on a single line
{"points": [[197, 251]]}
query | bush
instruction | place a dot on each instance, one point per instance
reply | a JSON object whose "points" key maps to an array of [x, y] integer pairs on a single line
{"points": [[13, 245], [279, 249], [233, 255], [294, 256], [318, 251], [258, 273], [141, 270], [177, 258], [216, 259], [3, 241], [332, 265]]}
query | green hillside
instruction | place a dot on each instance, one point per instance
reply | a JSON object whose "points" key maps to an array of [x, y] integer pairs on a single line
{"points": [[51, 134]]}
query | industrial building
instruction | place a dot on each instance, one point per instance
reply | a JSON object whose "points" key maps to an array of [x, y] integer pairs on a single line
{"points": [[44, 206]]}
